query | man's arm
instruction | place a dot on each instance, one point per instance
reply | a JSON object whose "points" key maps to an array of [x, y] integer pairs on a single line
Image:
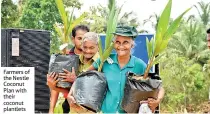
{"points": [[53, 100], [52, 80], [63, 90]]}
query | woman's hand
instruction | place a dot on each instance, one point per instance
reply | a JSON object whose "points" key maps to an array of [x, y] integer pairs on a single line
{"points": [[153, 103], [68, 76]]}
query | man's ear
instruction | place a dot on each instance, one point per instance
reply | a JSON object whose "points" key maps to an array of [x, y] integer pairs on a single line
{"points": [[73, 39]]}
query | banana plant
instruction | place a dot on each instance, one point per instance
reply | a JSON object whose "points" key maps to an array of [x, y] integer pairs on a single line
{"points": [[111, 27], [162, 36], [68, 23]]}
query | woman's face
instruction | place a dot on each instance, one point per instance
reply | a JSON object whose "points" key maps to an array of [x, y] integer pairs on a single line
{"points": [[89, 48], [123, 45]]}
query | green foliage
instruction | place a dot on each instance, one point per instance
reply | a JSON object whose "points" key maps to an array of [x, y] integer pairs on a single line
{"points": [[111, 27], [39, 15], [73, 3], [98, 16], [190, 42], [68, 24], [9, 14], [58, 108], [184, 81], [154, 24], [163, 34], [204, 12], [43, 14], [184, 68]]}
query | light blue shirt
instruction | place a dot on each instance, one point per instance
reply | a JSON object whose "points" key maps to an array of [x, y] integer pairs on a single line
{"points": [[116, 78]]}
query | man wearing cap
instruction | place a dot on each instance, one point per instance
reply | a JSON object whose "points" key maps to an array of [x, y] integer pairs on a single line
{"points": [[117, 66]]}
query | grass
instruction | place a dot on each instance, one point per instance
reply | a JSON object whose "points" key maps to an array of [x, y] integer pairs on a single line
{"points": [[58, 108]]}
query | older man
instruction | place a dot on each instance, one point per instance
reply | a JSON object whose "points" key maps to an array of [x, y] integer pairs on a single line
{"points": [[77, 34], [89, 46]]}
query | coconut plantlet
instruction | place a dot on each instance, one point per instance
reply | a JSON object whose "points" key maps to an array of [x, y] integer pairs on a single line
{"points": [[163, 34], [111, 27], [64, 30]]}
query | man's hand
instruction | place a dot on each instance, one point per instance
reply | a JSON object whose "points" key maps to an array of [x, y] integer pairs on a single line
{"points": [[68, 76], [74, 106], [72, 102], [153, 103], [52, 80], [71, 99]]}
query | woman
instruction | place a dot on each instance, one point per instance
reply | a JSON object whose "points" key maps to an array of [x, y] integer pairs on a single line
{"points": [[115, 71]]}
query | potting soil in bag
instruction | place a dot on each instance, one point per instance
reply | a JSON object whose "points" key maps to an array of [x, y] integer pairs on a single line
{"points": [[59, 62], [139, 90], [90, 90]]}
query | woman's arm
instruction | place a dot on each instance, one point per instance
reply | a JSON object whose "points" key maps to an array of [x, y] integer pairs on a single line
{"points": [[153, 103], [91, 68], [161, 94]]}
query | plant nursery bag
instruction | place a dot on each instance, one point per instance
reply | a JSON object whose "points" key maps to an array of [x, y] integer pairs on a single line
{"points": [[90, 89], [139, 90], [59, 62]]}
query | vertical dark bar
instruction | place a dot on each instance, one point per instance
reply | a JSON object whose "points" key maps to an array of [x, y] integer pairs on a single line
{"points": [[3, 47]]}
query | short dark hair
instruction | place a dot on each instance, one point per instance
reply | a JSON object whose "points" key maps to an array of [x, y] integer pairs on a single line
{"points": [[208, 31], [79, 27]]}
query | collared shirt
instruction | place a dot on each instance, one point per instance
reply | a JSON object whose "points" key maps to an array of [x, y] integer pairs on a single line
{"points": [[71, 52], [116, 78], [84, 66]]}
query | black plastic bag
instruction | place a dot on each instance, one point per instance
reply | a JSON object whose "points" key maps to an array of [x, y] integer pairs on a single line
{"points": [[139, 90], [90, 89], [59, 62]]}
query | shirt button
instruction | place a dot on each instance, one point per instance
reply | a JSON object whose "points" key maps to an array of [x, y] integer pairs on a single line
{"points": [[117, 102], [119, 82]]}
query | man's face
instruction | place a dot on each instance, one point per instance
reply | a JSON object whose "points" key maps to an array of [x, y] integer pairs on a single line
{"points": [[89, 48], [78, 38], [208, 40]]}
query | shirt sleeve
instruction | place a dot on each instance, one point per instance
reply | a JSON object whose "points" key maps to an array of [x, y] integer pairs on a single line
{"points": [[96, 64]]}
